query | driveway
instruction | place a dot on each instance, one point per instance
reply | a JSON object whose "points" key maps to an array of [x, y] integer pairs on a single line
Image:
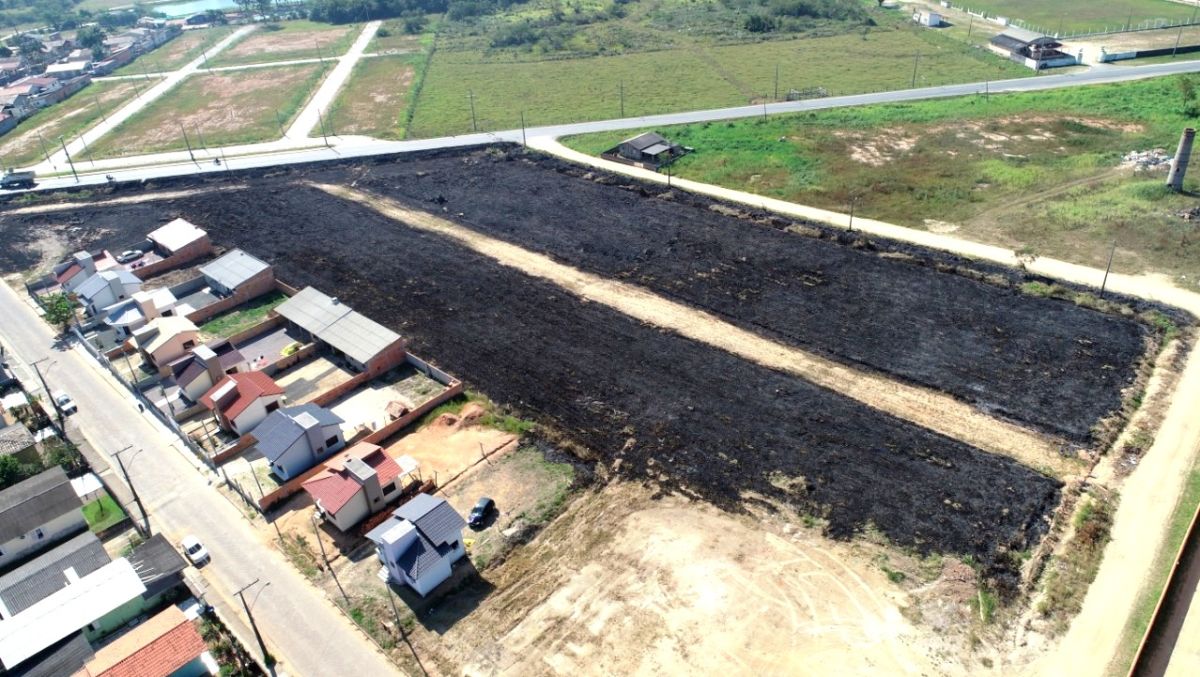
{"points": [[299, 624]]}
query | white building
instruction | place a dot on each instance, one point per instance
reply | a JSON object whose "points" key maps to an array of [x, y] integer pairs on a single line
{"points": [[420, 543], [36, 513]]}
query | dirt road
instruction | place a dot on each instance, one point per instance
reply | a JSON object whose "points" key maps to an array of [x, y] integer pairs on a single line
{"points": [[924, 407]]}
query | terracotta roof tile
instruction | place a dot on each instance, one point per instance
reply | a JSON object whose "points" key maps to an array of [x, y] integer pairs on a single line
{"points": [[251, 385], [156, 648]]}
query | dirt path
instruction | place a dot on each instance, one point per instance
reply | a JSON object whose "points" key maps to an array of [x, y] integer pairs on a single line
{"points": [[924, 407], [132, 199], [1008, 208]]}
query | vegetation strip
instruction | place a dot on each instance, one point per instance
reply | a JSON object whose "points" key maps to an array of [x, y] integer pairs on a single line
{"points": [[924, 407]]}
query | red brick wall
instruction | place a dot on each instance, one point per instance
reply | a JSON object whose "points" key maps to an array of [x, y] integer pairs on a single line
{"points": [[257, 286]]}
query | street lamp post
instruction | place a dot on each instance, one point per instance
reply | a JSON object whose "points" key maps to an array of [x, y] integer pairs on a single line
{"points": [[241, 593], [129, 480]]}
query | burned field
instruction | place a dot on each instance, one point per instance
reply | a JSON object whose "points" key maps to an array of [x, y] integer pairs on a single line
{"points": [[648, 402]]}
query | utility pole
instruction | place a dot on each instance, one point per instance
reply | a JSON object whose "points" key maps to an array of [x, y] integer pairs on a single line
{"points": [[241, 593], [776, 82], [621, 94], [321, 119], [916, 63], [1181, 25], [668, 176], [1108, 268], [128, 480], [279, 121], [203, 55], [970, 25], [400, 628], [86, 149], [186, 141], [200, 137], [471, 97], [69, 160], [46, 388], [524, 143], [325, 557], [44, 151]]}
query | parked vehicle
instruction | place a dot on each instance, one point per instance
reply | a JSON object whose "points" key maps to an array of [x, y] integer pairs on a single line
{"points": [[130, 255], [195, 551], [480, 513], [13, 180], [65, 404]]}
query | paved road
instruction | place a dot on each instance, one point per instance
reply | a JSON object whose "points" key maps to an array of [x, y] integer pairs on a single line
{"points": [[290, 151], [310, 118], [300, 625]]}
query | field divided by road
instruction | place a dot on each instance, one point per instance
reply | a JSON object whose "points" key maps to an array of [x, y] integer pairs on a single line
{"points": [[289, 40]]}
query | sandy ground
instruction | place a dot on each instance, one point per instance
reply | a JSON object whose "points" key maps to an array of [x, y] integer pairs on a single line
{"points": [[1129, 42], [925, 407], [448, 447], [267, 43], [674, 587], [130, 199], [25, 138]]}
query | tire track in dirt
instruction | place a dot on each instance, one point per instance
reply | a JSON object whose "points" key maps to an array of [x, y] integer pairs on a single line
{"points": [[924, 407], [119, 201]]}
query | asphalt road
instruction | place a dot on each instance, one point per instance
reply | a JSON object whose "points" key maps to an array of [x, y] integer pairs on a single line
{"points": [[300, 625], [290, 151]]}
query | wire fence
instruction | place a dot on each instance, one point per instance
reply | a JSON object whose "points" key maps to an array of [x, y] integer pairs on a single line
{"points": [[1127, 27]]}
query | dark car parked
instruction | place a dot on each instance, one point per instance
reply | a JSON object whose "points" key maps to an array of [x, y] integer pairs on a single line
{"points": [[480, 513]]}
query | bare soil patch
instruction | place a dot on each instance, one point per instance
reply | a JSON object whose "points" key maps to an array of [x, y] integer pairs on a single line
{"points": [[266, 45]]}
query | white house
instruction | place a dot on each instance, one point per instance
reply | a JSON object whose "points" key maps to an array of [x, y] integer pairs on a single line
{"points": [[197, 372], [420, 542], [297, 438], [36, 513], [241, 401], [107, 288]]}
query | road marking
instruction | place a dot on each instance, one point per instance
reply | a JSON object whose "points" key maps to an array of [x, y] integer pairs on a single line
{"points": [[923, 406]]}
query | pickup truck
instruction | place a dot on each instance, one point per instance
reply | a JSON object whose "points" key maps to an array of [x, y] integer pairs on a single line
{"points": [[13, 180]]}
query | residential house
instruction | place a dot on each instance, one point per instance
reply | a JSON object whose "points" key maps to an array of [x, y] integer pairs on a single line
{"points": [[17, 105], [365, 344], [650, 149], [239, 273], [165, 339], [18, 442], [167, 645], [64, 657], [159, 566], [106, 288], [37, 513], [95, 604], [7, 120], [241, 401], [80, 267], [142, 306], [357, 483], [420, 542], [49, 572], [294, 439], [70, 69], [151, 22], [12, 68], [1031, 49], [197, 373], [180, 238]]}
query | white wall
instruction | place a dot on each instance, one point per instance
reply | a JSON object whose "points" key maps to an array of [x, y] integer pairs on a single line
{"points": [[254, 414], [52, 531]]}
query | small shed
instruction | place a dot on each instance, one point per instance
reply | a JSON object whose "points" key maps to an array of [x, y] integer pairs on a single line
{"points": [[650, 149], [927, 18]]}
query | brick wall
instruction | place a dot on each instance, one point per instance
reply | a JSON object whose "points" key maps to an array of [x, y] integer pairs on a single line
{"points": [[199, 248]]}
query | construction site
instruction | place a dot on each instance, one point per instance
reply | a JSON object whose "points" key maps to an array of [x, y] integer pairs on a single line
{"points": [[876, 444]]}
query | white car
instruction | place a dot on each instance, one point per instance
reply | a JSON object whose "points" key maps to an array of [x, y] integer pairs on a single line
{"points": [[194, 550], [65, 404]]}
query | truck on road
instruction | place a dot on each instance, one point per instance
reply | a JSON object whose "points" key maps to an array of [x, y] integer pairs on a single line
{"points": [[12, 180]]}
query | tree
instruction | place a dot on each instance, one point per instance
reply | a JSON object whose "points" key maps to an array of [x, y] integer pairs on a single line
{"points": [[1187, 90], [60, 310], [90, 37], [63, 453], [5, 52]]}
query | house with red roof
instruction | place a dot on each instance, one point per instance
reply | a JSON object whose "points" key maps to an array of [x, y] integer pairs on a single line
{"points": [[241, 400], [358, 483], [167, 645]]}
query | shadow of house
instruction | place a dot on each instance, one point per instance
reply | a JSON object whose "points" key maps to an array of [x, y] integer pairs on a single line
{"points": [[451, 601]]}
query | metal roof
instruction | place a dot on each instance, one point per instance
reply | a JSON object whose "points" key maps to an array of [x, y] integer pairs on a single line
{"points": [[156, 559], [68, 610], [433, 517], [656, 149], [335, 323], [15, 438], [176, 235], [45, 575], [99, 282], [62, 658], [283, 427], [1022, 34], [33, 502], [312, 310], [233, 269], [646, 140]]}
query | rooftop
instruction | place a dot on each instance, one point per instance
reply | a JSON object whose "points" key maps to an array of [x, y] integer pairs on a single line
{"points": [[176, 235], [101, 280], [312, 310], [233, 269], [335, 323], [156, 559], [41, 577], [161, 330], [14, 439], [249, 386], [283, 427], [156, 648], [33, 502], [337, 484], [646, 140]]}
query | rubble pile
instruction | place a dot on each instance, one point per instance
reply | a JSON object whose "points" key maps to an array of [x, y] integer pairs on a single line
{"points": [[1146, 160]]}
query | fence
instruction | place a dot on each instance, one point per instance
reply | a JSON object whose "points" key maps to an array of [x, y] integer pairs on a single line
{"points": [[1127, 27]]}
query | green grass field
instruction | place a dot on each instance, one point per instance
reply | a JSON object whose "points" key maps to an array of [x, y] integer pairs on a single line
{"points": [[572, 90], [102, 513], [1032, 172], [178, 52], [217, 109], [22, 146], [242, 317], [1079, 15], [374, 99], [289, 40]]}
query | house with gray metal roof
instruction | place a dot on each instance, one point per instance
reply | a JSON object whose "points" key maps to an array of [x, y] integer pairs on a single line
{"points": [[158, 564], [37, 513], [419, 544], [107, 288], [348, 333], [233, 270], [49, 572], [294, 439]]}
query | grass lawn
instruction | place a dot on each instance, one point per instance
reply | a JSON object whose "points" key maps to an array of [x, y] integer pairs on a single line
{"points": [[243, 317], [289, 40], [178, 52], [572, 90], [1077, 15], [1035, 172], [396, 39], [217, 109], [69, 118], [374, 99], [102, 513]]}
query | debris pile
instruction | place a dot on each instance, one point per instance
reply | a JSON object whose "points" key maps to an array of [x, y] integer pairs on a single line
{"points": [[1147, 160], [1192, 214]]}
